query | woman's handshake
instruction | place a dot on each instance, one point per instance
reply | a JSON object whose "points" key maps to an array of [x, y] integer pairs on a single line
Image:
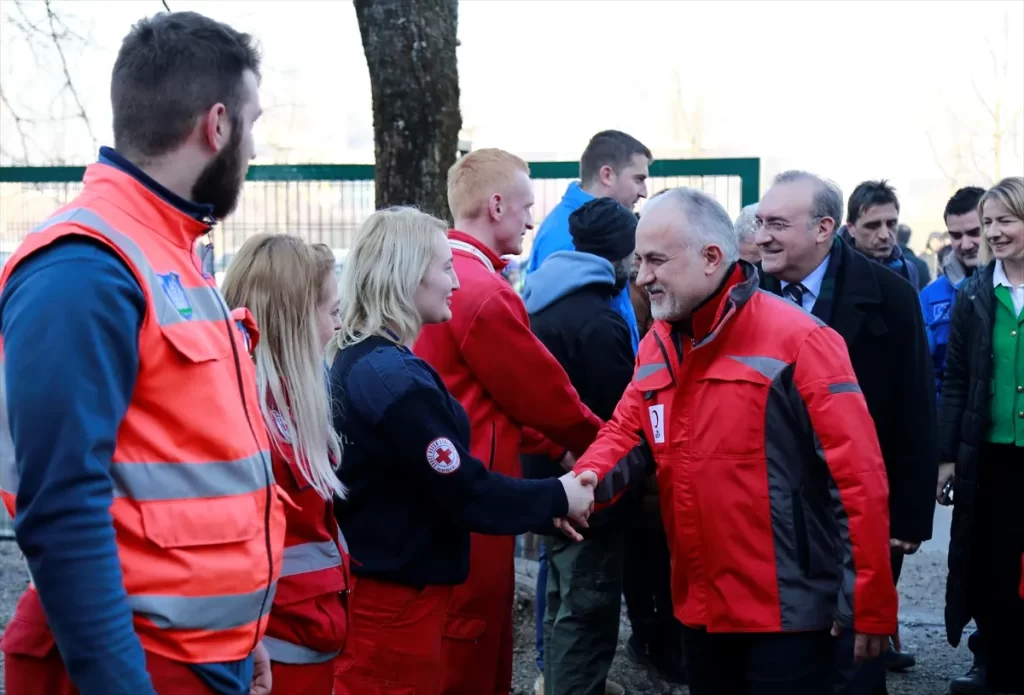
{"points": [[579, 490]]}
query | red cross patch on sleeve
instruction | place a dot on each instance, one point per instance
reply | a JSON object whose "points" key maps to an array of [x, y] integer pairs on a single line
{"points": [[442, 456]]}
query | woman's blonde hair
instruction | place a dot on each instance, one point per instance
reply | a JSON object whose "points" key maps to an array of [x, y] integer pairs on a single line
{"points": [[279, 278], [385, 264], [1009, 192]]}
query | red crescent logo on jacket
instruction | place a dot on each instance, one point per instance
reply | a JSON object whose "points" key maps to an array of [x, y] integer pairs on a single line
{"points": [[442, 456]]}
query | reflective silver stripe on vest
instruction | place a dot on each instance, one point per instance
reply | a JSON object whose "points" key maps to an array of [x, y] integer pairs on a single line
{"points": [[288, 653], [173, 303], [310, 557], [148, 482], [844, 387], [211, 613], [8, 466], [646, 370]]}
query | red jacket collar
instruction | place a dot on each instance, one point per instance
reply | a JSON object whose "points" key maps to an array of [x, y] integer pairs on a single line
{"points": [[709, 313], [736, 289], [497, 261], [152, 211]]}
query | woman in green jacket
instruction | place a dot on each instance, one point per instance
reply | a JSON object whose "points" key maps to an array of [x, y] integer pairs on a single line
{"points": [[981, 419]]}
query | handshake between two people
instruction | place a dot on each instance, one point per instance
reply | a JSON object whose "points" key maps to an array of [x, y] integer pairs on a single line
{"points": [[579, 491]]}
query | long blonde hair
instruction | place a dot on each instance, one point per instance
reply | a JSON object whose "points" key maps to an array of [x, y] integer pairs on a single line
{"points": [[279, 279], [1009, 192], [385, 264]]}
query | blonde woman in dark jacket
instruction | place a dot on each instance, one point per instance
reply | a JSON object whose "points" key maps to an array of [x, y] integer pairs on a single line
{"points": [[981, 420]]}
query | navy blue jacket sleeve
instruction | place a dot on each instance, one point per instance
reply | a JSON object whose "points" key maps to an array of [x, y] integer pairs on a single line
{"points": [[70, 318], [410, 411]]}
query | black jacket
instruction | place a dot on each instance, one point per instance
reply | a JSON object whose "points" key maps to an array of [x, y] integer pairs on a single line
{"points": [[879, 316], [569, 302], [924, 275], [963, 417], [415, 491]]}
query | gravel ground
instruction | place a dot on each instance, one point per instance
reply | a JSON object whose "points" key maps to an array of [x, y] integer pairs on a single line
{"points": [[921, 590]]}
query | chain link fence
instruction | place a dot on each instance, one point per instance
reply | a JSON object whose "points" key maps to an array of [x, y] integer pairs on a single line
{"points": [[327, 203]]}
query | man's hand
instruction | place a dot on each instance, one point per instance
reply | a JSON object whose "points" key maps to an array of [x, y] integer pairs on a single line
{"points": [[904, 547], [261, 678], [579, 491], [567, 462], [566, 527], [946, 471], [865, 647]]}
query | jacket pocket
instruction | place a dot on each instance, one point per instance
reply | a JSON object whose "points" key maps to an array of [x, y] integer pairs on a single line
{"points": [[201, 342], [463, 628], [200, 522], [729, 410], [803, 550], [28, 633], [319, 622]]}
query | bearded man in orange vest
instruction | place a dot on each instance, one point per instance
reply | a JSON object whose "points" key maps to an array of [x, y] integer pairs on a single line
{"points": [[133, 456]]}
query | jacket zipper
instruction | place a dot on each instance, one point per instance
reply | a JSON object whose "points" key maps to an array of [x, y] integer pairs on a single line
{"points": [[266, 476], [803, 549]]}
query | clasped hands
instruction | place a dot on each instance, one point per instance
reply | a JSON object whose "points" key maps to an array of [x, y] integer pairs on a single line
{"points": [[579, 491]]}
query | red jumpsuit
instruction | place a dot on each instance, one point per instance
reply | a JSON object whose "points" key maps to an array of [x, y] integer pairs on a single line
{"points": [[309, 621], [506, 380], [33, 664]]}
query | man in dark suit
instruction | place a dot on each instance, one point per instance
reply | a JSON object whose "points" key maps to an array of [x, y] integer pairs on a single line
{"points": [[878, 315]]}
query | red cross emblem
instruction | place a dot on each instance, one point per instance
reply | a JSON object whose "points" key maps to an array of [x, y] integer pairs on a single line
{"points": [[442, 456]]}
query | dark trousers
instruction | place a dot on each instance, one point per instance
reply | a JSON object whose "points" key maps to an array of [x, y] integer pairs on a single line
{"points": [[647, 586], [867, 678], [996, 564], [796, 663], [581, 624], [540, 604], [978, 646]]}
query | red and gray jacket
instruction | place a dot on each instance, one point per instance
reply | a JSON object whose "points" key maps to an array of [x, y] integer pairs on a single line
{"points": [[772, 487]]}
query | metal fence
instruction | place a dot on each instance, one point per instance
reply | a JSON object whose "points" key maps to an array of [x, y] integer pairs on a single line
{"points": [[327, 202]]}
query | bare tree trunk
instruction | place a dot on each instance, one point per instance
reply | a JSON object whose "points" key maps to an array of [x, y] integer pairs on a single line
{"points": [[410, 51]]}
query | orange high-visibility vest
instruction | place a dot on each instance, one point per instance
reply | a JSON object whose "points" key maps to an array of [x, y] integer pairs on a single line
{"points": [[198, 516]]}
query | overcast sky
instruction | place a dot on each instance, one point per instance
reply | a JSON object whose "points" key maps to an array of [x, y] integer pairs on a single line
{"points": [[852, 90]]}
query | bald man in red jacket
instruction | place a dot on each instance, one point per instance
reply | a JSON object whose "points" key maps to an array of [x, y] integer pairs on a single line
{"points": [[516, 394]]}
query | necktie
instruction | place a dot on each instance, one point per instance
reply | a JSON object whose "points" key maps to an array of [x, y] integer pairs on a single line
{"points": [[795, 293]]}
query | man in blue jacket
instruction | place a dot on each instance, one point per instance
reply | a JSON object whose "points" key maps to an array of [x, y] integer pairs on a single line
{"points": [[964, 228], [963, 224], [614, 165], [569, 301]]}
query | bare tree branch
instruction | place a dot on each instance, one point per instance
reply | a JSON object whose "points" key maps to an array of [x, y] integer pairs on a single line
{"points": [[69, 84], [164, 3], [936, 157], [45, 30], [981, 99]]}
